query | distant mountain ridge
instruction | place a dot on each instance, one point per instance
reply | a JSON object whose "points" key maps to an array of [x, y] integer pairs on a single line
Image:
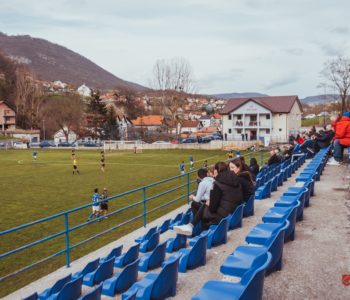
{"points": [[238, 95], [53, 62], [319, 99]]}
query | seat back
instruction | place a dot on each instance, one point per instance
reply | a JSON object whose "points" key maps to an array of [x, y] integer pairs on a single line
{"points": [[33, 296], [220, 233], [275, 245], [165, 226], [248, 209], [59, 284], [153, 241], [127, 277], [104, 271], [179, 242], [132, 254], [94, 294], [166, 280], [198, 252], [253, 279], [177, 218], [149, 233], [157, 256], [235, 219], [91, 266], [71, 290], [114, 253]]}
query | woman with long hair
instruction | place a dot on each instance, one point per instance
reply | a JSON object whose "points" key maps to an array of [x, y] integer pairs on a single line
{"points": [[225, 196], [245, 178], [254, 168]]}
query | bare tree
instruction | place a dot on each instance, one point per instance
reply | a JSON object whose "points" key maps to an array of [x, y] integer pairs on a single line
{"points": [[173, 75], [174, 78], [336, 72], [65, 112]]}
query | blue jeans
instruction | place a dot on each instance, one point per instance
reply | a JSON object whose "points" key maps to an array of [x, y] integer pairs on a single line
{"points": [[338, 151]]}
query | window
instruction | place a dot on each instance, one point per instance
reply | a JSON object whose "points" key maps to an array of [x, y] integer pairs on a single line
{"points": [[239, 131], [268, 131], [280, 129], [230, 117], [239, 117], [230, 131], [267, 117]]}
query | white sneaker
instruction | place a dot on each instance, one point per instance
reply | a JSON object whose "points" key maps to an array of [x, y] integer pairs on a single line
{"points": [[333, 162], [184, 229]]}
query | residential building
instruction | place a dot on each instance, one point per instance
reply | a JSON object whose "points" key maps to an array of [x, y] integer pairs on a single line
{"points": [[273, 118], [59, 136], [7, 117], [188, 126], [151, 122]]}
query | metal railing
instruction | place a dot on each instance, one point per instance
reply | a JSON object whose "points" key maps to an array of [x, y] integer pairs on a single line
{"points": [[182, 192]]}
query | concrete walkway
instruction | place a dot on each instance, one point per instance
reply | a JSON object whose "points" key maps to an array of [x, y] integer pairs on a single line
{"points": [[313, 263]]}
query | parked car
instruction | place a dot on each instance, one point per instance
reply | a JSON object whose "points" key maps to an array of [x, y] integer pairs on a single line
{"points": [[46, 144], [205, 139], [161, 143], [20, 145], [91, 144], [66, 144], [189, 141], [310, 116]]}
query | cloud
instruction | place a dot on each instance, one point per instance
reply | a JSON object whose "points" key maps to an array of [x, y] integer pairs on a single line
{"points": [[293, 51], [223, 78], [281, 82], [343, 30]]}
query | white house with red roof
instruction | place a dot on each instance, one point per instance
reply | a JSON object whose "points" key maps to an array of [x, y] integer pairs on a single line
{"points": [[272, 117]]}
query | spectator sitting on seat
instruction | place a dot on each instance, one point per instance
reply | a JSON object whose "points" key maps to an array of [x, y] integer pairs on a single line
{"points": [[254, 168], [310, 145], [225, 196], [341, 139], [299, 139], [324, 138], [205, 186], [287, 151], [244, 176], [274, 158]]}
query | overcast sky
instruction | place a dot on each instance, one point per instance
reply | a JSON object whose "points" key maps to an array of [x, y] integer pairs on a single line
{"points": [[269, 46]]}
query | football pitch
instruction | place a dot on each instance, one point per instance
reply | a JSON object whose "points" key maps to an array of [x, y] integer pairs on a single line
{"points": [[31, 190]]}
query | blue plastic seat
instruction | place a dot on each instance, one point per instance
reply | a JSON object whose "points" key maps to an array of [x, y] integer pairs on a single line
{"points": [[94, 294], [235, 220], [91, 266], [217, 234], [174, 244], [279, 214], [104, 271], [280, 178], [249, 288], [263, 191], [156, 285], [150, 244], [176, 219], [153, 259], [248, 209], [70, 291], [271, 236], [127, 258], [114, 253], [165, 226], [191, 258], [243, 259], [291, 201], [147, 236], [274, 183], [121, 281], [59, 284]]}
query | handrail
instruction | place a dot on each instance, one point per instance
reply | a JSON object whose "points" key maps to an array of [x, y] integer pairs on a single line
{"points": [[67, 231]]}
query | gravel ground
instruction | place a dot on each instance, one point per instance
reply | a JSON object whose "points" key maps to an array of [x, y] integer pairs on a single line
{"points": [[313, 263]]}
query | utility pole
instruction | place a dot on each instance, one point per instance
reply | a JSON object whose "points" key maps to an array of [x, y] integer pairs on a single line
{"points": [[44, 129]]}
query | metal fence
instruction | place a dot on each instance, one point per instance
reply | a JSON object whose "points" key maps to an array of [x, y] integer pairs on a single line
{"points": [[146, 199]]}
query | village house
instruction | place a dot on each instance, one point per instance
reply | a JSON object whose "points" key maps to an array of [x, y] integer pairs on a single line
{"points": [[60, 137], [7, 117], [270, 118], [189, 126], [151, 122]]}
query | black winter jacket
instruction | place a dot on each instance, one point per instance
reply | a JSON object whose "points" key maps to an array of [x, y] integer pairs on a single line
{"points": [[225, 196], [246, 184], [325, 138]]}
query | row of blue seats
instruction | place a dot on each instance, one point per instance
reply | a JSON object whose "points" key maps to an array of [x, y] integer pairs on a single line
{"points": [[264, 254], [279, 173], [101, 270]]}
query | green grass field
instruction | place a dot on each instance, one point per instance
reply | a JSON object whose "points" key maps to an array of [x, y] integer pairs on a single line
{"points": [[32, 190]]}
